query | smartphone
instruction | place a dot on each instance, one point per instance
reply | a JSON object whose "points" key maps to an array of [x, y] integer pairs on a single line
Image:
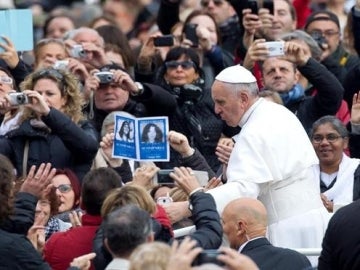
{"points": [[164, 41], [269, 4], [275, 48], [190, 34], [253, 5], [163, 177], [208, 256]]}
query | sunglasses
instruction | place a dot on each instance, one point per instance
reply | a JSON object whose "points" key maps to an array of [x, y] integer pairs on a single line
{"points": [[6, 80], [64, 188], [205, 3], [184, 64], [48, 72]]}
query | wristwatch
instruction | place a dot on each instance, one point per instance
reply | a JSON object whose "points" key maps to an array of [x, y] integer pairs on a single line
{"points": [[190, 207], [140, 88]]}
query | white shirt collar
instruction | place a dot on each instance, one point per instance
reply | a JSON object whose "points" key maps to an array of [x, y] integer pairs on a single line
{"points": [[243, 245], [247, 114]]}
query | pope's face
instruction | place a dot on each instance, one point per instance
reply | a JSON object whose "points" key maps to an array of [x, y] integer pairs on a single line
{"points": [[227, 104]]}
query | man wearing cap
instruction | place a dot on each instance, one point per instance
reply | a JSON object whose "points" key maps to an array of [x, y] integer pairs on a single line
{"points": [[324, 27]]}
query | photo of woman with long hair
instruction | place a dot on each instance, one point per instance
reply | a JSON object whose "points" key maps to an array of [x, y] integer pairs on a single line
{"points": [[126, 132], [152, 134]]}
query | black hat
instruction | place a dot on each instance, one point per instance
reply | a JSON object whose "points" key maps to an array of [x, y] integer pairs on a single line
{"points": [[322, 15]]}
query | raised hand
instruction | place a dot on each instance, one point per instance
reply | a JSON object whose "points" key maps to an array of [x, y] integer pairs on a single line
{"points": [[10, 55], [180, 143], [183, 254], [38, 182], [355, 109]]}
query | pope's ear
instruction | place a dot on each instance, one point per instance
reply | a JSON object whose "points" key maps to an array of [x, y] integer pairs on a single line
{"points": [[244, 96]]}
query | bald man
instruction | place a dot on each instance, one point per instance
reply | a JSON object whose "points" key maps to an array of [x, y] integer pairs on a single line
{"points": [[244, 224]]}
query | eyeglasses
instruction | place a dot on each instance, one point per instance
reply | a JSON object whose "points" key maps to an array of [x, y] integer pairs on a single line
{"points": [[6, 80], [44, 203], [175, 64], [205, 3], [50, 73], [46, 41], [327, 33], [331, 138], [64, 188]]}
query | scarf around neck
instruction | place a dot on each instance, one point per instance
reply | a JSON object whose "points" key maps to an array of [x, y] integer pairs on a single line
{"points": [[294, 95]]}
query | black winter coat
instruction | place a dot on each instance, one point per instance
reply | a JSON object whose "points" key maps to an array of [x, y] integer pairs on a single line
{"points": [[66, 146], [211, 128], [327, 100]]}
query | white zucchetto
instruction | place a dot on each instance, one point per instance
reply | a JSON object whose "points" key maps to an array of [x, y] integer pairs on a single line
{"points": [[236, 74]]}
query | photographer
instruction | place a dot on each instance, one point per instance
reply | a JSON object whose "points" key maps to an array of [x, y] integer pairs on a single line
{"points": [[114, 90], [51, 127], [8, 115], [281, 74], [194, 117], [324, 27]]}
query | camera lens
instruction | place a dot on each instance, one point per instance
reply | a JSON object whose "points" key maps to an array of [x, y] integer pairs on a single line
{"points": [[20, 99]]}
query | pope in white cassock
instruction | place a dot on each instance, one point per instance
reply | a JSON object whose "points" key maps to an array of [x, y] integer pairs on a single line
{"points": [[272, 160]]}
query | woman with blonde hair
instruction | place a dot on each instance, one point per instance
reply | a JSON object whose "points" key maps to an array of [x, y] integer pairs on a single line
{"points": [[52, 127], [129, 194], [150, 256], [137, 195]]}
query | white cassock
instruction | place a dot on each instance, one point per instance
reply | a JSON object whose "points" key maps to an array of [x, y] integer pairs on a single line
{"points": [[272, 160]]}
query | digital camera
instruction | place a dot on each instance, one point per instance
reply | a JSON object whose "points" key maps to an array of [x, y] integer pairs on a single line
{"points": [[17, 99], [105, 77], [164, 200], [77, 51], [61, 64], [163, 177], [208, 256], [190, 92], [275, 48], [320, 39]]}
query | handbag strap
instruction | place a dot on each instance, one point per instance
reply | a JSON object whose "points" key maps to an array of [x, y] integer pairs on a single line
{"points": [[25, 159]]}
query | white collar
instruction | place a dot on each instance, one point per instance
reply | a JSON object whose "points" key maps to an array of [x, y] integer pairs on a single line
{"points": [[248, 113]]}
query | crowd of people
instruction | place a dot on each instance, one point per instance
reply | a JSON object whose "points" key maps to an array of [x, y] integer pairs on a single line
{"points": [[262, 99]]}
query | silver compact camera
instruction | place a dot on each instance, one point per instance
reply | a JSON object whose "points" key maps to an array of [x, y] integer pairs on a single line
{"points": [[17, 99], [77, 51], [275, 48], [61, 64], [105, 77]]}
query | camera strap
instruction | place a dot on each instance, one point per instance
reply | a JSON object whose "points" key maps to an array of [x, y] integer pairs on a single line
{"points": [[193, 124], [25, 158]]}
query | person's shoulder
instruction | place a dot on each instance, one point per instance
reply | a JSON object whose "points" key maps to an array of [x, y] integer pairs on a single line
{"points": [[12, 240]]}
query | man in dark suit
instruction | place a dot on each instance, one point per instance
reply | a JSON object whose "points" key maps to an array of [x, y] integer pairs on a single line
{"points": [[340, 247], [244, 224]]}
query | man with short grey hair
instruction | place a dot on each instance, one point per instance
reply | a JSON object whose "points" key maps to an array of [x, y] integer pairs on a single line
{"points": [[124, 230]]}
